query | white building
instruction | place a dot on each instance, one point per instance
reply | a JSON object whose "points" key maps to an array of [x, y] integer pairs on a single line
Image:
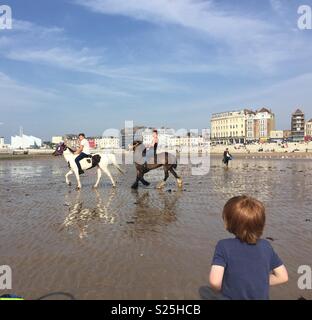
{"points": [[178, 142], [308, 129], [57, 139], [277, 135], [107, 142], [3, 145], [164, 136], [25, 142]]}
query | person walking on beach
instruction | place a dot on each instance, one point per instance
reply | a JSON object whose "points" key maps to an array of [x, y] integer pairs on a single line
{"points": [[226, 157], [83, 151], [244, 267]]}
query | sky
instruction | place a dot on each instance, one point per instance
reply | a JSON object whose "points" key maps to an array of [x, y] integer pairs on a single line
{"points": [[70, 66]]}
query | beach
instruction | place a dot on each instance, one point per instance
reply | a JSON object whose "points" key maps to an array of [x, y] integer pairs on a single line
{"points": [[145, 244]]}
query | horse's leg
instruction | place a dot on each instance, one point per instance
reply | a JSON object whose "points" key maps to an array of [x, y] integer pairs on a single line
{"points": [[99, 174], [104, 168], [107, 172], [179, 180], [141, 178], [78, 178], [163, 183], [70, 172]]}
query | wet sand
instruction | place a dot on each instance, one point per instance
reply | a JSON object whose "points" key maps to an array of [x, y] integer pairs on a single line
{"points": [[149, 244]]}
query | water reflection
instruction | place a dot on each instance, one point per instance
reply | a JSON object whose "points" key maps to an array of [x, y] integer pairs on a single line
{"points": [[80, 216], [153, 210]]}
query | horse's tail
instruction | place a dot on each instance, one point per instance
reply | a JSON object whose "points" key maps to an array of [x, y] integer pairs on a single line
{"points": [[113, 161]]}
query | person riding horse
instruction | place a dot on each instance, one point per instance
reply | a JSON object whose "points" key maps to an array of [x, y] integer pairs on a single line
{"points": [[155, 144], [83, 151]]}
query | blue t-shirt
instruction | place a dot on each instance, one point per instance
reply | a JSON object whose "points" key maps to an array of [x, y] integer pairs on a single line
{"points": [[247, 268]]}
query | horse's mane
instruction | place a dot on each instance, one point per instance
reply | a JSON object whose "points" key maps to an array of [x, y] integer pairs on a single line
{"points": [[70, 149]]}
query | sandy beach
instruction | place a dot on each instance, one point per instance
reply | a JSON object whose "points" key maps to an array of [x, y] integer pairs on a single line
{"points": [[145, 244]]}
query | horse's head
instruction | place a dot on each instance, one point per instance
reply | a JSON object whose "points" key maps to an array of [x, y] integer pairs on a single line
{"points": [[60, 148], [134, 145]]}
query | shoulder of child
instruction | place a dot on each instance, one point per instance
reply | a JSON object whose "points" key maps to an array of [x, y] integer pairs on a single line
{"points": [[265, 243], [225, 242]]}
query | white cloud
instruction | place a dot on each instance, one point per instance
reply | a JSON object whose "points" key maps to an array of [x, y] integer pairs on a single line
{"points": [[65, 58], [245, 39], [199, 15], [27, 26]]}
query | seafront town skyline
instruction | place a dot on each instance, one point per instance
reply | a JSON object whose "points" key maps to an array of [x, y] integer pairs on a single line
{"points": [[147, 124], [250, 125]]}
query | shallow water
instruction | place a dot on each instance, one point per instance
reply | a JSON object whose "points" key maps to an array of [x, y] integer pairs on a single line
{"points": [[145, 244]]}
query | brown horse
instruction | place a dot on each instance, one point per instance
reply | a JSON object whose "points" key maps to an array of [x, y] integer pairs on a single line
{"points": [[166, 160]]}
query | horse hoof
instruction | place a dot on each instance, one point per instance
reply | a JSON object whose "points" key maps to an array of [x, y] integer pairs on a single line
{"points": [[114, 186], [69, 184], [180, 183], [161, 185], [94, 187], [78, 189], [134, 187]]}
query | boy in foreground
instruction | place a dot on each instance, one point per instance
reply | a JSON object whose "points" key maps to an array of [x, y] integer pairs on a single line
{"points": [[244, 267]]}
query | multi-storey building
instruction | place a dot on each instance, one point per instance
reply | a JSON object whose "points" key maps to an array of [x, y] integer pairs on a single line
{"points": [[264, 124], [110, 142], [228, 127], [297, 126], [242, 126], [308, 130]]}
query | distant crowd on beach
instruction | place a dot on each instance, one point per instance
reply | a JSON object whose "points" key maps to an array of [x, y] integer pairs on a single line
{"points": [[283, 147]]}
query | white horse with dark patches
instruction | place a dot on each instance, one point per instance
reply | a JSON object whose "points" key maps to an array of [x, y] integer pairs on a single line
{"points": [[100, 161]]}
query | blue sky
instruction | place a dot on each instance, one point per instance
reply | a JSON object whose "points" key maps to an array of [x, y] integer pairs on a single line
{"points": [[89, 65]]}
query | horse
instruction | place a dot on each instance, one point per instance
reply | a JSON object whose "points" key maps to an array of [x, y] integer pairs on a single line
{"points": [[164, 159], [99, 161]]}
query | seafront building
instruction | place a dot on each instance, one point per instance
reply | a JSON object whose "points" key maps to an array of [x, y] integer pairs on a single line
{"points": [[277, 136], [186, 143], [56, 140], [25, 142], [109, 142], [264, 123], [308, 130], [297, 126], [229, 127], [242, 126]]}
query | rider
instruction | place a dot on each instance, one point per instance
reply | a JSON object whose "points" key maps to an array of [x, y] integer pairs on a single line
{"points": [[83, 151], [154, 144]]}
